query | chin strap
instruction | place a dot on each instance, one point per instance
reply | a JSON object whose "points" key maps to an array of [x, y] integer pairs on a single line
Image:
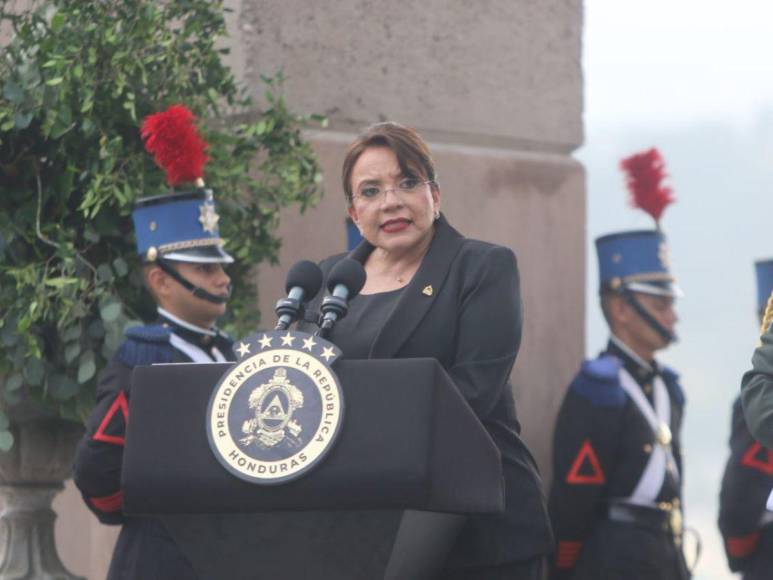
{"points": [[195, 290], [630, 298]]}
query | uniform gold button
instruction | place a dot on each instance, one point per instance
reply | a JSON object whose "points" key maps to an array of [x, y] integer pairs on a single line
{"points": [[647, 448]]}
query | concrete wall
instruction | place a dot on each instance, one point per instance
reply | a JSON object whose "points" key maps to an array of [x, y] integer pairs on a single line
{"points": [[495, 86]]}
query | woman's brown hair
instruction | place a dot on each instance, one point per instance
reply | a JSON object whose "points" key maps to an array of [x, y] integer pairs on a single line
{"points": [[410, 149]]}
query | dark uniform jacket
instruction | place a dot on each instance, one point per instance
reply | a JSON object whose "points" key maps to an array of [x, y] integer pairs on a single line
{"points": [[602, 445], [744, 521], [144, 550], [463, 308], [757, 392]]}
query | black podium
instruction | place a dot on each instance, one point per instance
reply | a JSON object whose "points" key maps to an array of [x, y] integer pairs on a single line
{"points": [[386, 502]]}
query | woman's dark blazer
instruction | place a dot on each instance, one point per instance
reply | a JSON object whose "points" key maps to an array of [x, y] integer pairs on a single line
{"points": [[471, 323]]}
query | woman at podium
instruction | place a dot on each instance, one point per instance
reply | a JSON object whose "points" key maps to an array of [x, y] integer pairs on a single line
{"points": [[431, 292]]}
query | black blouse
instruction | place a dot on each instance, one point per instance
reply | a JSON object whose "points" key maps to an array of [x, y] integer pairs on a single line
{"points": [[357, 331]]}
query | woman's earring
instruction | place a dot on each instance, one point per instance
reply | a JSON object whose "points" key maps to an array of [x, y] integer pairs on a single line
{"points": [[437, 214]]}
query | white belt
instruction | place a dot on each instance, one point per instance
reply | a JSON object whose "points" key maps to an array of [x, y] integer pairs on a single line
{"points": [[661, 458]]}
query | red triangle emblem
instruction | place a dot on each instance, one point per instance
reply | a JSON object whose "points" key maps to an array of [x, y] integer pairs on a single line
{"points": [[759, 458], [119, 404], [586, 469]]}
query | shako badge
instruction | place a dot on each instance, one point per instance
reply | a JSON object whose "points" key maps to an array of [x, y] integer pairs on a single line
{"points": [[276, 413]]}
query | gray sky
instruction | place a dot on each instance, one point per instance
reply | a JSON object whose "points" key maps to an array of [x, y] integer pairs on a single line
{"points": [[677, 62], [694, 79]]}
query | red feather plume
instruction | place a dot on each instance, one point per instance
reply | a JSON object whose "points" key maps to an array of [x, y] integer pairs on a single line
{"points": [[171, 137], [644, 174]]}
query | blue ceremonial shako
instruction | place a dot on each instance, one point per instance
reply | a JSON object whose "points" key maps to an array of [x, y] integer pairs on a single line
{"points": [[637, 261], [764, 271], [182, 227]]}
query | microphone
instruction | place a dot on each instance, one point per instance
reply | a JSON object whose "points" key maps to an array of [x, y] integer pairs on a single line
{"points": [[303, 282], [345, 281]]}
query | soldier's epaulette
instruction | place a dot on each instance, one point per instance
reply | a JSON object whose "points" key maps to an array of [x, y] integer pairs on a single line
{"points": [[146, 345], [672, 382], [599, 382]]}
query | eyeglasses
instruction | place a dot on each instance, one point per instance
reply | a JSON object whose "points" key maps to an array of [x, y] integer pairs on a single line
{"points": [[375, 193]]}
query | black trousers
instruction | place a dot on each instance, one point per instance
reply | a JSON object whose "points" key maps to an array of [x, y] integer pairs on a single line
{"points": [[523, 570], [759, 566], [623, 551]]}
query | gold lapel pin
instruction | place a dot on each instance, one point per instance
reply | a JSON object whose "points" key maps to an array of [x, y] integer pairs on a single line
{"points": [[427, 290]]}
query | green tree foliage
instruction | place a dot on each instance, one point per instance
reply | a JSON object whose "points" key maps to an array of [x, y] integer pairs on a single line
{"points": [[76, 79]]}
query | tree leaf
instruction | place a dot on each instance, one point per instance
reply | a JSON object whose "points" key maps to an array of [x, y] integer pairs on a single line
{"points": [[34, 371], [57, 22], [12, 397], [91, 235], [96, 330], [14, 382], [6, 441], [22, 120], [120, 266], [9, 335], [110, 311], [72, 333], [87, 367], [13, 92], [104, 273], [63, 387], [71, 352], [59, 129], [60, 282]]}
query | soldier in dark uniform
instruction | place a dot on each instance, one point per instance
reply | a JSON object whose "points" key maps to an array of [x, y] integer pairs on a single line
{"points": [[744, 521], [181, 250], [615, 501]]}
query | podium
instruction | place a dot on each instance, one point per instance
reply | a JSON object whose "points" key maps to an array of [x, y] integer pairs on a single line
{"points": [[386, 502]]}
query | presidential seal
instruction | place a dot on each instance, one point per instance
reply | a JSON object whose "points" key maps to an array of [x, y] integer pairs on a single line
{"points": [[276, 413]]}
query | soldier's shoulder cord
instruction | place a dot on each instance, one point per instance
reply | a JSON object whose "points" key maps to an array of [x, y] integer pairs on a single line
{"points": [[767, 319]]}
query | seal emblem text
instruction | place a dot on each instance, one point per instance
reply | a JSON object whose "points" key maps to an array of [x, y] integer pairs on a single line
{"points": [[276, 413]]}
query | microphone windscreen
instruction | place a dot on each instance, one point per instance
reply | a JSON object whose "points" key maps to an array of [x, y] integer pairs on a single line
{"points": [[350, 273], [307, 275]]}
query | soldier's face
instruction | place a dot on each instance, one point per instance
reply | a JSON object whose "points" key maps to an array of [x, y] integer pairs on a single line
{"points": [[183, 304], [661, 308]]}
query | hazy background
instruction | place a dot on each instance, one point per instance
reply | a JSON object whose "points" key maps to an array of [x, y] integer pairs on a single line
{"points": [[694, 79]]}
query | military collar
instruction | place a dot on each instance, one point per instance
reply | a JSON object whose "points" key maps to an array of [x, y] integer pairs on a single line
{"points": [[644, 372], [201, 337]]}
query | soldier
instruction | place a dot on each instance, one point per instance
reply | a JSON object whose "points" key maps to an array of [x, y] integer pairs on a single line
{"points": [[748, 480], [616, 494], [182, 263]]}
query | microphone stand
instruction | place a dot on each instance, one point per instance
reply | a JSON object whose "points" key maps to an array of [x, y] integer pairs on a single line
{"points": [[333, 309]]}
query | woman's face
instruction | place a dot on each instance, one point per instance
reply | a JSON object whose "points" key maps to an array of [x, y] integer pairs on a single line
{"points": [[393, 211]]}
